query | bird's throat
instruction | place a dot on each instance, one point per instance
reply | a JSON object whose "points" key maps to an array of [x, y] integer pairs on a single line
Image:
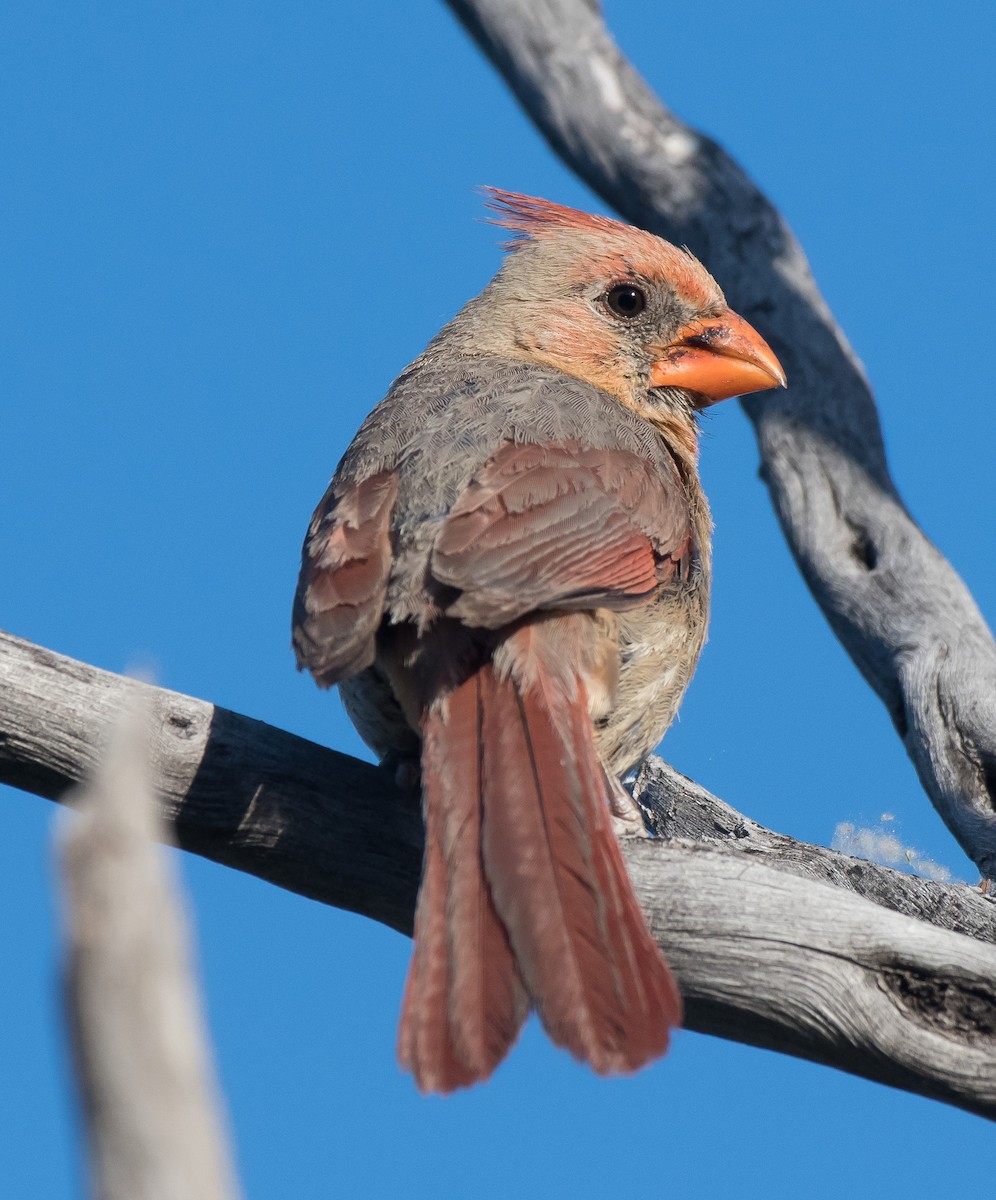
{"points": [[673, 419]]}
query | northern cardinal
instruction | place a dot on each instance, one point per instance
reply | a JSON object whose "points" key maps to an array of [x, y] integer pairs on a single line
{"points": [[509, 576]]}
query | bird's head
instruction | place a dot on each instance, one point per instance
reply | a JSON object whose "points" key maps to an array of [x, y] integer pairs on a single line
{"points": [[620, 308]]}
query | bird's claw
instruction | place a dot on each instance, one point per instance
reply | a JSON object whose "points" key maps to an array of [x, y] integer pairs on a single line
{"points": [[627, 818]]}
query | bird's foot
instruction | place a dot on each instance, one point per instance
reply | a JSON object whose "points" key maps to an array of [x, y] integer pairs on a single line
{"points": [[627, 819], [405, 771], [640, 799]]}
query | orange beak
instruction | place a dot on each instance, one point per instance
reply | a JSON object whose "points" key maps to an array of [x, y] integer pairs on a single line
{"points": [[718, 357]]}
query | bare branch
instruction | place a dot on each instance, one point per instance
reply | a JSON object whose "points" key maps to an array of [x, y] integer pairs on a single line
{"points": [[768, 958], [763, 956], [150, 1102], [679, 808], [898, 607]]}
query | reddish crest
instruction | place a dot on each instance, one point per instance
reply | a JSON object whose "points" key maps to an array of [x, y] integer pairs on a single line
{"points": [[530, 219]]}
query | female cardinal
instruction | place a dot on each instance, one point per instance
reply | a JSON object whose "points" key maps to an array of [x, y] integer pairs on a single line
{"points": [[509, 575]]}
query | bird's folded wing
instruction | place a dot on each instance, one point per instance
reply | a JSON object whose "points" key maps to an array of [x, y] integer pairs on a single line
{"points": [[560, 526], [344, 575]]}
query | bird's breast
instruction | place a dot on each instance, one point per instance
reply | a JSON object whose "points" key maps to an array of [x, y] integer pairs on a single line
{"points": [[659, 646]]}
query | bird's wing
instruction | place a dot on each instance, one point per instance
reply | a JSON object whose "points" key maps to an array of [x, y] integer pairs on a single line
{"points": [[560, 526], [345, 566]]}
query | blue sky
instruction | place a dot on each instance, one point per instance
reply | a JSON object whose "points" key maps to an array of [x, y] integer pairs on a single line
{"points": [[225, 228]]}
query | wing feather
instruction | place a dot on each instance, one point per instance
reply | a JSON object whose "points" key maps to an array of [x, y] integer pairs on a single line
{"points": [[560, 526], [345, 566]]}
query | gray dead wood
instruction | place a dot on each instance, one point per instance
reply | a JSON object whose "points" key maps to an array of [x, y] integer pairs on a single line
{"points": [[676, 807], [774, 943], [150, 1103], [900, 610]]}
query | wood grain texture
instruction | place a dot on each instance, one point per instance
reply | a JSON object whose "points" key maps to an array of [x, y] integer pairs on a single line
{"points": [[897, 606], [760, 930], [769, 958]]}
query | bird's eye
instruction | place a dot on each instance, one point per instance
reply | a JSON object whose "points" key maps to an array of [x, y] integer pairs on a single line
{"points": [[625, 300]]}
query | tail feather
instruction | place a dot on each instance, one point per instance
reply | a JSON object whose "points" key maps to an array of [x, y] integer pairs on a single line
{"points": [[425, 1039], [464, 1002], [597, 978], [525, 897], [654, 1003]]}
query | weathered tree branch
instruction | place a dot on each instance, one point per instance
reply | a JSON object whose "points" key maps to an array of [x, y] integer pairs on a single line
{"points": [[678, 808], [763, 953], [767, 958], [896, 604], [151, 1107]]}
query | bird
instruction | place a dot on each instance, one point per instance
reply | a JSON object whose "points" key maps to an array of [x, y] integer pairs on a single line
{"points": [[508, 580]]}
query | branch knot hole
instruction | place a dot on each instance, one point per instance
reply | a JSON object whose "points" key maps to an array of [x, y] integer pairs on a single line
{"points": [[967, 1013], [863, 548]]}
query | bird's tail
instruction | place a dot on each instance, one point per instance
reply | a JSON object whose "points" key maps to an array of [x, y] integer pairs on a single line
{"points": [[525, 899]]}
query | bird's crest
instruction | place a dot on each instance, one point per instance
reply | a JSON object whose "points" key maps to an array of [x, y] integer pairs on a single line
{"points": [[531, 219]]}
